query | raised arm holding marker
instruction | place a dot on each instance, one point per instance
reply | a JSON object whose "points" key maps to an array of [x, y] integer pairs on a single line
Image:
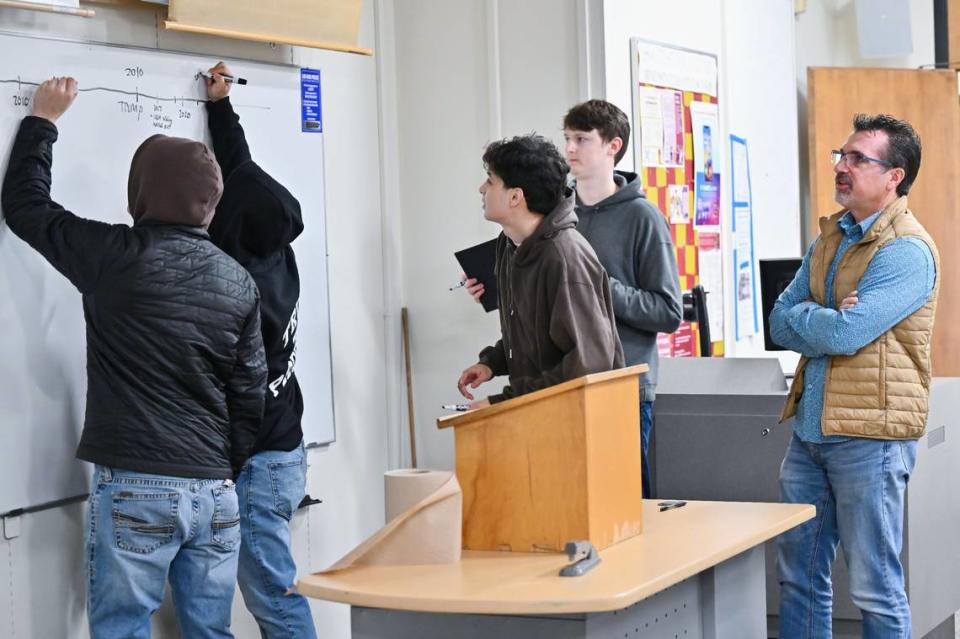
{"points": [[229, 79]]}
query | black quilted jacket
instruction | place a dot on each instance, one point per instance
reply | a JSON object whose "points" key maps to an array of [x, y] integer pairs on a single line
{"points": [[175, 364]]}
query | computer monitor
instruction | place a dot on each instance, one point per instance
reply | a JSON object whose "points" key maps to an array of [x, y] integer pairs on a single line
{"points": [[775, 275]]}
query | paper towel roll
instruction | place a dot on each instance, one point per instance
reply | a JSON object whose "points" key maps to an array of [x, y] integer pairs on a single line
{"points": [[404, 487], [426, 526]]}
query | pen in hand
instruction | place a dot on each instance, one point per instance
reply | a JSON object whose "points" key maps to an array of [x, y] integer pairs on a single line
{"points": [[460, 285]]}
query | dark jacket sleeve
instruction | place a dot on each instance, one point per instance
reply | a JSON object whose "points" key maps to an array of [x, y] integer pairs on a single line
{"points": [[245, 391], [655, 303], [495, 358], [77, 248], [229, 142], [581, 327]]}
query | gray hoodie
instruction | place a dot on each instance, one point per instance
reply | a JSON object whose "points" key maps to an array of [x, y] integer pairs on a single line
{"points": [[632, 241]]}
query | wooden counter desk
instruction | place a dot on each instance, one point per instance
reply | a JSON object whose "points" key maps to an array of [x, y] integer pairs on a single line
{"points": [[696, 571]]}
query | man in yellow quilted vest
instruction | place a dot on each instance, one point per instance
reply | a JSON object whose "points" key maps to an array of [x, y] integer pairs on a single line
{"points": [[860, 312]]}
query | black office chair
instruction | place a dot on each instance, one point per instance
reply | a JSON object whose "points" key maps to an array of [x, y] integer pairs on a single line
{"points": [[695, 310]]}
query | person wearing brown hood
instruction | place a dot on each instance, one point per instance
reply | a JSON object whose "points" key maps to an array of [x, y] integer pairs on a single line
{"points": [[556, 312], [175, 375], [257, 219]]}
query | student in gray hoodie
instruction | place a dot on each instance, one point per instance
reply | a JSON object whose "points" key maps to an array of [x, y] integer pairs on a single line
{"points": [[556, 311], [632, 241]]}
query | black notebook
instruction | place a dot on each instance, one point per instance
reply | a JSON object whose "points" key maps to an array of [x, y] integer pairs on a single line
{"points": [[478, 261]]}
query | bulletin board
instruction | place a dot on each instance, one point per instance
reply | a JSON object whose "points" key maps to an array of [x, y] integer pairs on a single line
{"points": [[678, 153]]}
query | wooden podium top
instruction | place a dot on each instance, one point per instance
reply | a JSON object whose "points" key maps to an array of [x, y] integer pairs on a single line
{"points": [[462, 419], [675, 544]]}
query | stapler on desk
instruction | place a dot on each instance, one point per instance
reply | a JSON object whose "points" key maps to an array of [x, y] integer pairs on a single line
{"points": [[584, 557]]}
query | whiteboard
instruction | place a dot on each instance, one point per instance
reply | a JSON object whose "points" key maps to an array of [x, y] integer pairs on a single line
{"points": [[126, 95]]}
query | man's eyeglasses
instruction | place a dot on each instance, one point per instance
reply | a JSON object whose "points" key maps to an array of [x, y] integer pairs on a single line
{"points": [[855, 159]]}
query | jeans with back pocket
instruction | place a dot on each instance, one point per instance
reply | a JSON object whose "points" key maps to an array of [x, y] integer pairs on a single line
{"points": [[143, 529]]}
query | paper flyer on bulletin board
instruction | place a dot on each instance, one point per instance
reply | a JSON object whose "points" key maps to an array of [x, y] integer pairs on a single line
{"points": [[661, 127], [705, 122], [746, 320], [711, 276]]}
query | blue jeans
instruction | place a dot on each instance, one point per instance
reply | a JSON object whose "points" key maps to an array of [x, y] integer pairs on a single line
{"points": [[271, 486], [858, 488], [143, 529], [646, 427]]}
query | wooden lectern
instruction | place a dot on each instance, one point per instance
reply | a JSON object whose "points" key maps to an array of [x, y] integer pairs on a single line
{"points": [[557, 465]]}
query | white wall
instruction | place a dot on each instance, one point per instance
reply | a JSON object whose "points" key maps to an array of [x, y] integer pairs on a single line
{"points": [[759, 104], [467, 73], [41, 571]]}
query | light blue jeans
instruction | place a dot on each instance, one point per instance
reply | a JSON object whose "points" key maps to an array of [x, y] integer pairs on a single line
{"points": [[271, 486], [858, 488], [143, 529]]}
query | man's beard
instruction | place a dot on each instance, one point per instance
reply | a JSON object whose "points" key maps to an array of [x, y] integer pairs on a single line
{"points": [[842, 197]]}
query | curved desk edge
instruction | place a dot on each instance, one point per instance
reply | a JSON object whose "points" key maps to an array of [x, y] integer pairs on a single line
{"points": [[676, 545]]}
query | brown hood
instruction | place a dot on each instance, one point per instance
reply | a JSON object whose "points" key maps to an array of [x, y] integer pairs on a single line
{"points": [[174, 181]]}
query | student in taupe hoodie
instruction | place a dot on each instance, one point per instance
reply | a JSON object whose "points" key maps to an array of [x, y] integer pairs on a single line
{"points": [[556, 313]]}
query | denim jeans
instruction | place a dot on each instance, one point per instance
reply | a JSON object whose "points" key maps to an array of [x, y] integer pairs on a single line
{"points": [[271, 486], [143, 529], [858, 488], [646, 427]]}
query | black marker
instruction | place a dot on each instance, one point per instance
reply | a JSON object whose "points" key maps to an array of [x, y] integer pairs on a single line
{"points": [[229, 79], [457, 407], [667, 505]]}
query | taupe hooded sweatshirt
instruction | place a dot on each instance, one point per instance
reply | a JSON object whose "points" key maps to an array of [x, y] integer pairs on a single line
{"points": [[174, 181], [556, 312]]}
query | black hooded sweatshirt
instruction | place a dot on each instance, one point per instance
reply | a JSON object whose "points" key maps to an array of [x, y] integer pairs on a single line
{"points": [[255, 222]]}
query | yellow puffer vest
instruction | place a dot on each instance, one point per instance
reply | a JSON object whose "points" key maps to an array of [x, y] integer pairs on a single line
{"points": [[880, 392]]}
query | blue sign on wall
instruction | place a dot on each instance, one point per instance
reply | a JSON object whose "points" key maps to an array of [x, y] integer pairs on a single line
{"points": [[311, 119]]}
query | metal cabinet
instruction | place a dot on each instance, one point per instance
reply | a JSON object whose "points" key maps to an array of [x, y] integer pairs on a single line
{"points": [[717, 437]]}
